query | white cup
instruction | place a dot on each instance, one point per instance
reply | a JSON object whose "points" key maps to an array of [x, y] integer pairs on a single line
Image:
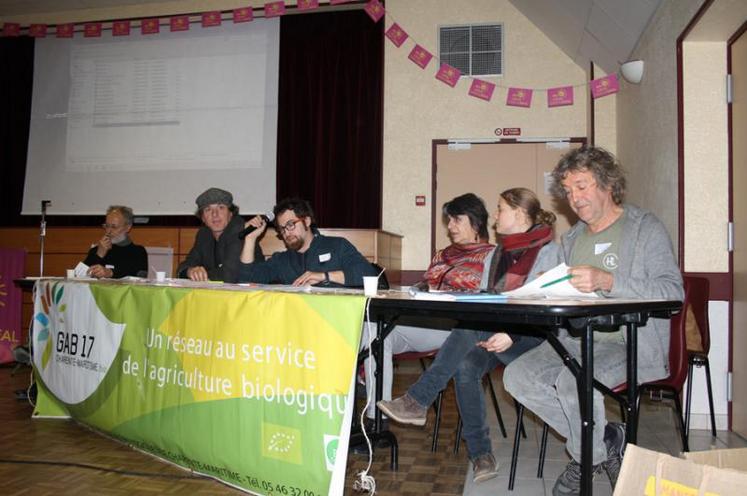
{"points": [[160, 276], [70, 273], [370, 285]]}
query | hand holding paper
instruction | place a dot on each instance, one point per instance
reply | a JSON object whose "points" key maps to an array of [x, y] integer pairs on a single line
{"points": [[555, 283]]}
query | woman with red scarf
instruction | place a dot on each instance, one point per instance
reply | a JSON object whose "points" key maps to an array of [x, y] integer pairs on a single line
{"points": [[525, 249], [458, 267]]}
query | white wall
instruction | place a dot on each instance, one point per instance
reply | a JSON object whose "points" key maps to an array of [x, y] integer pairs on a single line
{"points": [[647, 115], [706, 164], [418, 108]]}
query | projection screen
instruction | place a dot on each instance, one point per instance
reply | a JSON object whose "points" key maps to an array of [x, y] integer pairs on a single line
{"points": [[150, 121]]}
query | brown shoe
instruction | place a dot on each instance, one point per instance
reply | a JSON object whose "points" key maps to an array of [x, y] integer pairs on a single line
{"points": [[404, 410], [484, 467]]}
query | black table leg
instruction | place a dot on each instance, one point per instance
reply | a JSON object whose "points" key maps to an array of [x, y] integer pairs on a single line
{"points": [[632, 351], [382, 331], [585, 383]]}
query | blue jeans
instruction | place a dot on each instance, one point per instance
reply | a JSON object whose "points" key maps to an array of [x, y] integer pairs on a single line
{"points": [[467, 363]]}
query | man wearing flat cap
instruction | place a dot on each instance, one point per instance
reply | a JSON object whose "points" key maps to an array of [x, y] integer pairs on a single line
{"points": [[215, 254]]}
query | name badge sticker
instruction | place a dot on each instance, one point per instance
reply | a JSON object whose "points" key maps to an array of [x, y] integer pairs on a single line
{"points": [[600, 248], [325, 257]]}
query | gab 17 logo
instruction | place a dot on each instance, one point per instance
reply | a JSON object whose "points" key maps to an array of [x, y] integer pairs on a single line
{"points": [[51, 307]]}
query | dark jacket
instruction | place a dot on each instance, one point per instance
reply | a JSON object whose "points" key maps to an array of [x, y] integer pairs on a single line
{"points": [[125, 259], [326, 254], [219, 257]]}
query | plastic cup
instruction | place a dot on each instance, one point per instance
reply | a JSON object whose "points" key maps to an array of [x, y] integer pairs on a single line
{"points": [[370, 285], [70, 273], [160, 276]]}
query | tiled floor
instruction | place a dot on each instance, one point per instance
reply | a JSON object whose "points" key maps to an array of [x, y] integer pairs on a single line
{"points": [[420, 471]]}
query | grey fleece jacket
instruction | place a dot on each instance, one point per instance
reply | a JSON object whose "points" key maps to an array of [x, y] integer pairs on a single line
{"points": [[647, 270]]}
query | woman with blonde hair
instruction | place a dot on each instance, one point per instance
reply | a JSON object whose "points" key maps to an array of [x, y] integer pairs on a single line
{"points": [[525, 249]]}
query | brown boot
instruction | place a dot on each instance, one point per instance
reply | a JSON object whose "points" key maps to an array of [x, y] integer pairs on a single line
{"points": [[484, 467], [404, 410]]}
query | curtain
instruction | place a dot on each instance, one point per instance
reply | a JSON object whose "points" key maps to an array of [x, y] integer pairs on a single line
{"points": [[16, 82], [330, 116]]}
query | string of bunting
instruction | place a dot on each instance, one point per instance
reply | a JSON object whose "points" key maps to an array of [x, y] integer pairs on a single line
{"points": [[479, 88]]}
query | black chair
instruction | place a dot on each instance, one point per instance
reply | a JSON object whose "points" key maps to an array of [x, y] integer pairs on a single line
{"points": [[697, 311]]}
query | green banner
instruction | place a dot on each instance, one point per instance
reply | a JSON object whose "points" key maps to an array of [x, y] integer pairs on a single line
{"points": [[250, 387]]}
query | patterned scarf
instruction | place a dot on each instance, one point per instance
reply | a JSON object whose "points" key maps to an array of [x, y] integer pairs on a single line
{"points": [[515, 257], [458, 267]]}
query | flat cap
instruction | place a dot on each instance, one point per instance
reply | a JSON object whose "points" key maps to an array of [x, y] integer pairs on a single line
{"points": [[214, 195]]}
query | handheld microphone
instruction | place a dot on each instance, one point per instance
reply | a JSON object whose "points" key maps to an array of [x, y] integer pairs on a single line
{"points": [[268, 218]]}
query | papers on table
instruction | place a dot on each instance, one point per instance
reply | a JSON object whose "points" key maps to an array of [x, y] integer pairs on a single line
{"points": [[81, 270], [556, 285], [455, 296]]}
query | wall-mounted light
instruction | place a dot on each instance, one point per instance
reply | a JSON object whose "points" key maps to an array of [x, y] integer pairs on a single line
{"points": [[632, 71]]}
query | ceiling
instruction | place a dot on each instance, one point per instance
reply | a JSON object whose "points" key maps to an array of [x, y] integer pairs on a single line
{"points": [[603, 31]]}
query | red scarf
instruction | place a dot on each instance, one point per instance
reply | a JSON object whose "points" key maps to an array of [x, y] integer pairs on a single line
{"points": [[515, 255], [458, 267]]}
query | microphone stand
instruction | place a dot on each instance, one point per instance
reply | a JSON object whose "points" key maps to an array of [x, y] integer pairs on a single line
{"points": [[42, 235]]}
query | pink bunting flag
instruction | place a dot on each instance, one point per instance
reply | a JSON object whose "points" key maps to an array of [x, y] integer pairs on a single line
{"points": [[448, 74], [375, 10], [121, 28], [560, 96], [179, 23], [92, 30], [38, 30], [420, 56], [11, 29], [605, 86], [396, 35], [244, 14], [210, 19], [150, 26], [307, 4], [274, 9], [482, 89], [519, 97], [65, 30]]}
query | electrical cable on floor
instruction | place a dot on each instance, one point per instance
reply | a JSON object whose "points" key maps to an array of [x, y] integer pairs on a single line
{"points": [[364, 481], [100, 469]]}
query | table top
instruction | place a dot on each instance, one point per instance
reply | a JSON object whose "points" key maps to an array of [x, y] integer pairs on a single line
{"points": [[398, 300]]}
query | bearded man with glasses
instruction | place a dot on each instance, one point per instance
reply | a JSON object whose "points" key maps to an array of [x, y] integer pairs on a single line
{"points": [[115, 255], [311, 258]]}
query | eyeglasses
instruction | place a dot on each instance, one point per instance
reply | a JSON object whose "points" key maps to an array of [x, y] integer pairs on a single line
{"points": [[113, 227], [288, 226]]}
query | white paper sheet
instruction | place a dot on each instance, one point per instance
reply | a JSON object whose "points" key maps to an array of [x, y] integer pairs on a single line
{"points": [[562, 289]]}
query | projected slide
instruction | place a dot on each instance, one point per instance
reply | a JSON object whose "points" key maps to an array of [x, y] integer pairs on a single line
{"points": [[162, 117]]}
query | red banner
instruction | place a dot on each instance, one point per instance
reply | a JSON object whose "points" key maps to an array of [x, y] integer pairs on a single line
{"points": [[65, 30], [38, 30], [12, 263], [244, 14], [121, 28], [308, 4], [179, 23]]}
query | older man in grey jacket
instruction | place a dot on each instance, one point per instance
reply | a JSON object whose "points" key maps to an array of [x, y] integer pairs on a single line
{"points": [[616, 250]]}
